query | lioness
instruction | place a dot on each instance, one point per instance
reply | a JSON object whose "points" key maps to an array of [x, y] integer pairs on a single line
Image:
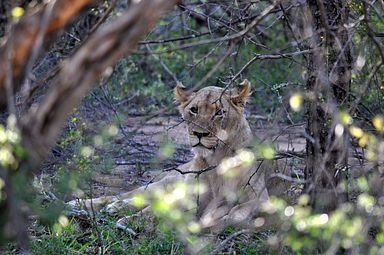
{"points": [[217, 129]]}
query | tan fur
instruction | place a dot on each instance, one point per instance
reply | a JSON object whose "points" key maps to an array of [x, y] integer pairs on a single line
{"points": [[217, 129]]}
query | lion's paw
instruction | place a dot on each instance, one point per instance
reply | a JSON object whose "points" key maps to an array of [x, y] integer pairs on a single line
{"points": [[75, 208], [113, 208], [122, 224], [119, 205], [73, 203]]}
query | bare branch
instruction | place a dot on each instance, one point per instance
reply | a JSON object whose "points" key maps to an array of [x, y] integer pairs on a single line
{"points": [[23, 38], [78, 75], [234, 36]]}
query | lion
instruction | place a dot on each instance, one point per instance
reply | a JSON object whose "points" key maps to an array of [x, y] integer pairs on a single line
{"points": [[217, 130]]}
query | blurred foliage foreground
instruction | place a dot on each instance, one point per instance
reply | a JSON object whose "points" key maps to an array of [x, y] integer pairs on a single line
{"points": [[100, 132]]}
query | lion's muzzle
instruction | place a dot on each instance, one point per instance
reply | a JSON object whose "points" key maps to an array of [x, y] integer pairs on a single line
{"points": [[203, 139]]}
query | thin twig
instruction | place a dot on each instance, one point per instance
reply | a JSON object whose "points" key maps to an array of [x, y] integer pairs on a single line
{"points": [[224, 243], [237, 35], [197, 172], [213, 69]]}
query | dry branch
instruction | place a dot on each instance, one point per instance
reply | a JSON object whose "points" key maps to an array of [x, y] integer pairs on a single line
{"points": [[42, 125], [17, 50], [234, 36]]}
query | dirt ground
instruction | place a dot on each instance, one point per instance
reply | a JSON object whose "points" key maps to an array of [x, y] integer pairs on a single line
{"points": [[140, 159]]}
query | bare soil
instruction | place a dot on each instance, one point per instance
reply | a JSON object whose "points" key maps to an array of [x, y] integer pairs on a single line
{"points": [[140, 159]]}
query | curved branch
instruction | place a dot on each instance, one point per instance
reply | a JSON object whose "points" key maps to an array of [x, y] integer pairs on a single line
{"points": [[18, 48], [42, 125]]}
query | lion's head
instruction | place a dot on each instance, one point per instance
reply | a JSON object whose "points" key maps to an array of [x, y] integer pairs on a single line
{"points": [[215, 118]]}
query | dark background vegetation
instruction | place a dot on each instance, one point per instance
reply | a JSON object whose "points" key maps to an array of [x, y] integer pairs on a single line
{"points": [[328, 54]]}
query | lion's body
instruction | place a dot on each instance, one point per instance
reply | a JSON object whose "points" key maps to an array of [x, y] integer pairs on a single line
{"points": [[217, 129]]}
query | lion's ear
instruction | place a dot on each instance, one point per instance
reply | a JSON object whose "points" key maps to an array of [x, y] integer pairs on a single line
{"points": [[243, 94], [181, 95]]}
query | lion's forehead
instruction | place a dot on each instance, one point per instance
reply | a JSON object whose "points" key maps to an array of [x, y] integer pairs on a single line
{"points": [[211, 89], [209, 95], [209, 98]]}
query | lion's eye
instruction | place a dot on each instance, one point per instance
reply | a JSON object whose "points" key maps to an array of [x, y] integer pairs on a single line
{"points": [[194, 110], [219, 113]]}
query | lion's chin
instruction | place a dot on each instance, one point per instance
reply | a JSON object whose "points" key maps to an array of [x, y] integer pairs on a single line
{"points": [[202, 151]]}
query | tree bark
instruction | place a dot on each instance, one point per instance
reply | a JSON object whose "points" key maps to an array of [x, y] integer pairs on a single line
{"points": [[329, 78], [41, 126], [20, 44]]}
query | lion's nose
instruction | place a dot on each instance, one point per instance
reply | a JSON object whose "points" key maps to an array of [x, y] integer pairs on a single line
{"points": [[200, 134]]}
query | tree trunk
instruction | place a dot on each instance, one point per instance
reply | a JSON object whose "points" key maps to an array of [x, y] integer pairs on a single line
{"points": [[41, 125], [329, 78]]}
